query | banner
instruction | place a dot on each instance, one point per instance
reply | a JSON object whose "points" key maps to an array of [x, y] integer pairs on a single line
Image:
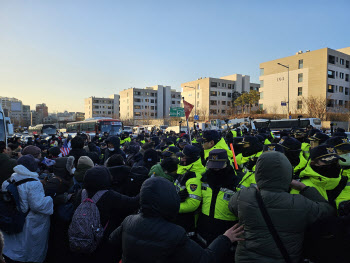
{"points": [[188, 108]]}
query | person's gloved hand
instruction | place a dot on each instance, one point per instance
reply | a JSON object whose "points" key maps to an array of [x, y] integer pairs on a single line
{"points": [[183, 195]]}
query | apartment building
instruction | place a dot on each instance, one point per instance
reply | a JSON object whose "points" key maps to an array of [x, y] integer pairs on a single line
{"points": [[322, 74], [102, 107], [18, 113], [148, 103], [213, 97], [42, 109]]}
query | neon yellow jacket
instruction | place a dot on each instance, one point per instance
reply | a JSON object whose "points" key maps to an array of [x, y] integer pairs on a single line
{"points": [[345, 194], [220, 145], [310, 178]]}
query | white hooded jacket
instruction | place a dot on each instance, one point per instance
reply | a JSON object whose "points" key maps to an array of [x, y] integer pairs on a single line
{"points": [[31, 244]]}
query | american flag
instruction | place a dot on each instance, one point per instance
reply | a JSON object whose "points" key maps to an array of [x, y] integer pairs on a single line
{"points": [[64, 151]]}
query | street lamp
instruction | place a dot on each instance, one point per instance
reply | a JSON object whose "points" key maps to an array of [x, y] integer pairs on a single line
{"points": [[286, 66], [195, 98]]}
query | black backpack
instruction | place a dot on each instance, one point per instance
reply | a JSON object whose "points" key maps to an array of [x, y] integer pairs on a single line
{"points": [[11, 217]]}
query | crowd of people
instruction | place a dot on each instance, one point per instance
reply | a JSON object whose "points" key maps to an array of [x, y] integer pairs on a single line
{"points": [[232, 196]]}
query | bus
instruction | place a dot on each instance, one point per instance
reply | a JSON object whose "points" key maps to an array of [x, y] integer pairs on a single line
{"points": [[92, 126], [286, 124], [40, 129]]}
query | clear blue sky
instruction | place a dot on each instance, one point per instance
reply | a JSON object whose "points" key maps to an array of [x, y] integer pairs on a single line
{"points": [[62, 51]]}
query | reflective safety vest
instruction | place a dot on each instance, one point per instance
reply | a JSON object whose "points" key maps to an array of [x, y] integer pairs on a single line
{"points": [[220, 145], [310, 178], [301, 165], [267, 142], [143, 141], [196, 167], [215, 204], [193, 186], [234, 133], [125, 140], [305, 148], [247, 180], [345, 194], [242, 160]]}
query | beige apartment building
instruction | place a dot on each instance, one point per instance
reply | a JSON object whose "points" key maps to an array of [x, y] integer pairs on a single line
{"points": [[149, 103], [322, 74], [212, 97], [102, 107]]}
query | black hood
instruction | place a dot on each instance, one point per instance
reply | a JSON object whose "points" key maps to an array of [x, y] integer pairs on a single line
{"points": [[59, 168], [158, 198], [114, 140]]}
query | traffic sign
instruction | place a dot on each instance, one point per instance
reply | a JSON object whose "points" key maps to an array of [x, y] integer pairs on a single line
{"points": [[196, 117], [177, 112], [283, 103]]}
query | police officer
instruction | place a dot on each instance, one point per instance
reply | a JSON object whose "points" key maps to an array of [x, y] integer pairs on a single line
{"points": [[342, 147], [188, 186], [212, 140], [294, 154], [323, 172], [218, 185], [252, 149]]}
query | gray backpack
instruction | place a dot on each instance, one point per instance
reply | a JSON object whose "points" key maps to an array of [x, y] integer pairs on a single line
{"points": [[85, 231]]}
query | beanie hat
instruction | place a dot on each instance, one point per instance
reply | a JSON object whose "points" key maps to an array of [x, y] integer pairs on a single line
{"points": [[150, 156], [28, 161], [54, 151], [85, 160], [97, 178], [77, 143], [33, 150]]}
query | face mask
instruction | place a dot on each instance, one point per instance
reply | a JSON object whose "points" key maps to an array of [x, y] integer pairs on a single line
{"points": [[111, 149], [347, 159], [293, 157], [329, 171]]}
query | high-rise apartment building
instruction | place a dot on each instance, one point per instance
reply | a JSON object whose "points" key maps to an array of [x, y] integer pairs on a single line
{"points": [[102, 107], [149, 103], [42, 109], [212, 97], [322, 74]]}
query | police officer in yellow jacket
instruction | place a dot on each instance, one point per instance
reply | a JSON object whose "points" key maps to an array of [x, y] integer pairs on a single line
{"points": [[188, 186], [323, 172], [252, 149], [342, 146], [294, 154], [218, 185], [212, 140]]}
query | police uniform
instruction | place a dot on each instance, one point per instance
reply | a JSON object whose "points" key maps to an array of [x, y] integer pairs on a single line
{"points": [[189, 183], [215, 217]]}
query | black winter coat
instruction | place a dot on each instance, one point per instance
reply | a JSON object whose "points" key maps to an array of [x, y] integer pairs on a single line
{"points": [[152, 237]]}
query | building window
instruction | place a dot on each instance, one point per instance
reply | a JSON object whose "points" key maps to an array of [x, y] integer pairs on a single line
{"points": [[213, 93], [331, 59], [300, 77], [346, 77], [213, 84], [330, 89], [146, 100], [331, 74], [229, 103], [178, 102], [229, 95], [346, 91], [301, 64], [300, 91], [137, 107], [152, 107], [341, 89], [300, 105], [330, 103], [229, 86], [137, 100], [223, 102], [223, 94], [152, 101], [341, 75], [137, 114], [173, 102], [347, 64], [213, 102], [342, 61], [213, 112], [346, 104], [261, 83], [261, 106], [261, 95], [223, 112], [261, 72], [341, 103], [197, 95], [219, 84]]}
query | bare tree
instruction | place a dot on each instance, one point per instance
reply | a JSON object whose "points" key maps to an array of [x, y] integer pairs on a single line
{"points": [[316, 106]]}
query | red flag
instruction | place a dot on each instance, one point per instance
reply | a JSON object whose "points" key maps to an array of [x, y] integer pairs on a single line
{"points": [[188, 109]]}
